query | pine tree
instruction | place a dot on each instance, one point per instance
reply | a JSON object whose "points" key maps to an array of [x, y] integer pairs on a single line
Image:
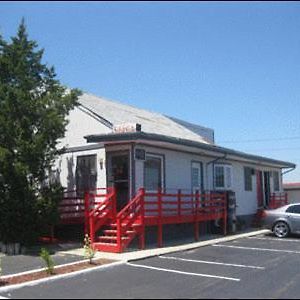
{"points": [[33, 110]]}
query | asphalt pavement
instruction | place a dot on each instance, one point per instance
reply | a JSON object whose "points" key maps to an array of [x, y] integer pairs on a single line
{"points": [[255, 267]]}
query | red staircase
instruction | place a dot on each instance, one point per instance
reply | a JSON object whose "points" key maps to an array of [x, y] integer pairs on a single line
{"points": [[117, 230], [114, 232]]}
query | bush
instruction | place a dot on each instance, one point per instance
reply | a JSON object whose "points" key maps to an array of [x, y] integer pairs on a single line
{"points": [[45, 255], [26, 220], [89, 252]]}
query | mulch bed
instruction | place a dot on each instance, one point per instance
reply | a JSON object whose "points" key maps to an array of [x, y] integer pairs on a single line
{"points": [[57, 271]]}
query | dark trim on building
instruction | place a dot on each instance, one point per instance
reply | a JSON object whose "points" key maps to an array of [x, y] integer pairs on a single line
{"points": [[95, 116], [178, 141], [81, 148], [133, 186]]}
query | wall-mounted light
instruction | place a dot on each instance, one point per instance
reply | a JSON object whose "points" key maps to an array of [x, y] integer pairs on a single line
{"points": [[101, 161]]}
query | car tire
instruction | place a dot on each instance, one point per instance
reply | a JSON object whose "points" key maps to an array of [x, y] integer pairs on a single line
{"points": [[281, 229]]}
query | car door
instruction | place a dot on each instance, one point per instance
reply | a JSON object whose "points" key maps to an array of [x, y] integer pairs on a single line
{"points": [[294, 217]]}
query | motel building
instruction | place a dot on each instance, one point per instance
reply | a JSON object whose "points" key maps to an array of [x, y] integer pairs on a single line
{"points": [[127, 170]]}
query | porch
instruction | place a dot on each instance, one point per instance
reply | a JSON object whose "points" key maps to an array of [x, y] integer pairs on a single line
{"points": [[113, 231]]}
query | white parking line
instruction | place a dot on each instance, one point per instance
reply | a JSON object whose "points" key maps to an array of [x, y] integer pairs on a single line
{"points": [[274, 239], [257, 249], [210, 262], [181, 272]]}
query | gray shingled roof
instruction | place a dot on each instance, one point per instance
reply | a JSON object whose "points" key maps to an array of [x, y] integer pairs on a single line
{"points": [[118, 113]]}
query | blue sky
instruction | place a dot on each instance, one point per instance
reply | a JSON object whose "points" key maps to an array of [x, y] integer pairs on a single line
{"points": [[231, 66]]}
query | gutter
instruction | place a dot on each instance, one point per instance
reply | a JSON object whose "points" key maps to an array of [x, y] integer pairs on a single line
{"points": [[184, 142], [288, 171]]}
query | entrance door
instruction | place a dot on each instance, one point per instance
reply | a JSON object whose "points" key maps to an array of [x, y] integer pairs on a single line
{"points": [[86, 173], [197, 182], [260, 189], [118, 176], [267, 189]]}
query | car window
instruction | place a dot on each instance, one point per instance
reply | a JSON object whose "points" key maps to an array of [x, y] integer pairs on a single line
{"points": [[295, 209]]}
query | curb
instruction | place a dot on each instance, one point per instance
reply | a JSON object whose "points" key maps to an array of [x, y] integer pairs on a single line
{"points": [[57, 277], [42, 269]]}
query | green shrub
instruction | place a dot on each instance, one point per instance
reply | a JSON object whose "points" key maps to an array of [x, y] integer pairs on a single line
{"points": [[89, 252], [45, 255]]}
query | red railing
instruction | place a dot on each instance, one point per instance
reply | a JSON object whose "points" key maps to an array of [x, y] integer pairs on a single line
{"points": [[74, 204], [278, 200], [72, 208], [132, 214], [180, 204], [171, 208], [99, 208]]}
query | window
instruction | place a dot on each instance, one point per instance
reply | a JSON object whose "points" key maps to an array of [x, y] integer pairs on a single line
{"points": [[248, 178], [86, 173], [196, 176], [294, 209], [219, 177], [223, 176], [276, 181], [153, 172]]}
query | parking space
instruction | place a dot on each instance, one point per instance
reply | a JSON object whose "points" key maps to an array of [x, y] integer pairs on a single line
{"points": [[257, 267]]}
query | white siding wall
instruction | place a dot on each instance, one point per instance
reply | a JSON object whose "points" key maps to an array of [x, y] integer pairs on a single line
{"points": [[177, 168], [66, 166], [80, 125], [178, 175], [246, 200]]}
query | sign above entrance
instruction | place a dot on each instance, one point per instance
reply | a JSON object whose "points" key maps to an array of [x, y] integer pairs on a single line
{"points": [[140, 154], [127, 127]]}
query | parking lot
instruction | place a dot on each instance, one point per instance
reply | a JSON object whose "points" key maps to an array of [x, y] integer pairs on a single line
{"points": [[255, 267]]}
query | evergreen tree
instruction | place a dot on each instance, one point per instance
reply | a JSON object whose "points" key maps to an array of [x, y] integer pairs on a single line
{"points": [[33, 110]]}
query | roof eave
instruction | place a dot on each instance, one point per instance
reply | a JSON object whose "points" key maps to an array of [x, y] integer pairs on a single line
{"points": [[132, 136]]}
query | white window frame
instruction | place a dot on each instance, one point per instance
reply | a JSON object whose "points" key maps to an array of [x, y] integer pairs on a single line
{"points": [[228, 180], [199, 165]]}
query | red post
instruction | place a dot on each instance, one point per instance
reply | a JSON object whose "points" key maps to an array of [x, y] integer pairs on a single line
{"points": [[179, 202], [119, 235], [225, 214], [114, 199], [196, 217], [142, 235], [92, 229], [272, 201], [86, 212], [160, 226]]}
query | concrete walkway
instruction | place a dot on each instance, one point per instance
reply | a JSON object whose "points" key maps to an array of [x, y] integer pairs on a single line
{"points": [[141, 254]]}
